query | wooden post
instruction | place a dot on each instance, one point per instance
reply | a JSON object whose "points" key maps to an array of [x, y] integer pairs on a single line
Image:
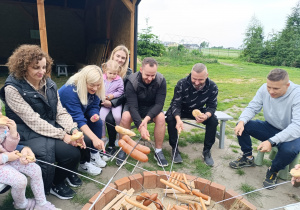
{"points": [[131, 7], [42, 25]]}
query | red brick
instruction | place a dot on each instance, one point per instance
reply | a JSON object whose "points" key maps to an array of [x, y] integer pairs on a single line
{"points": [[229, 194], [149, 179], [136, 181], [161, 175], [110, 193], [87, 207], [202, 185], [216, 191], [123, 183], [249, 205], [101, 202]]}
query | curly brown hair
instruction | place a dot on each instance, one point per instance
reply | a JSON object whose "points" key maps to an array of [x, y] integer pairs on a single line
{"points": [[23, 56]]}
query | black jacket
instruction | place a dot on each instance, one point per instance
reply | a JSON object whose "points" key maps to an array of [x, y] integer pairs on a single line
{"points": [[42, 146], [140, 96], [186, 98]]}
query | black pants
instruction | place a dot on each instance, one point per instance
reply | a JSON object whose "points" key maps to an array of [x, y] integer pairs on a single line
{"points": [[111, 131], [68, 157], [210, 131]]}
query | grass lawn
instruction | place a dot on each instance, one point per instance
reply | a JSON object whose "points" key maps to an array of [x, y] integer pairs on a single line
{"points": [[237, 82]]}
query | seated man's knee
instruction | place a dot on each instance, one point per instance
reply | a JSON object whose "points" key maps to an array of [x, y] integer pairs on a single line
{"points": [[126, 118], [160, 119]]}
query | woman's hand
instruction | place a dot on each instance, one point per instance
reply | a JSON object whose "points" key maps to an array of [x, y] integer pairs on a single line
{"points": [[26, 151], [95, 118], [80, 142], [106, 104], [99, 144], [12, 128], [12, 156]]}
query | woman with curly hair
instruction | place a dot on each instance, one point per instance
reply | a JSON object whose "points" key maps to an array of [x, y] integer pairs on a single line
{"points": [[32, 101]]}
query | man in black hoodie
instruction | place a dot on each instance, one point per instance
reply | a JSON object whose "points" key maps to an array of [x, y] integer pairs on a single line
{"points": [[196, 91], [146, 92]]}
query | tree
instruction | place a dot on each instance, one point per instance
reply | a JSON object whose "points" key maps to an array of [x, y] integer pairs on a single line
{"points": [[204, 44], [253, 42], [148, 43]]}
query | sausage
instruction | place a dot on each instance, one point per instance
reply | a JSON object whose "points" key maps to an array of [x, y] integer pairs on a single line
{"points": [[124, 131], [202, 203], [172, 185], [196, 113], [143, 149], [158, 204], [153, 197], [136, 154], [27, 157], [199, 194], [183, 186], [137, 204], [76, 136], [142, 196], [179, 207]]}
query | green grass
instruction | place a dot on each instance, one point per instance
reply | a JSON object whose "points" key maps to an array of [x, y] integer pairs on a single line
{"points": [[240, 172], [245, 188]]}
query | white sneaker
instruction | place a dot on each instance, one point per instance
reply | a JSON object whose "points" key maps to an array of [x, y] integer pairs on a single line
{"points": [[89, 168], [97, 161]]}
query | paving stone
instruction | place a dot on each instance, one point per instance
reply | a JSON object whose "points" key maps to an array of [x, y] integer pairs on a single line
{"points": [[123, 184], [216, 191], [136, 181], [150, 179], [203, 185], [229, 194], [162, 175], [101, 202]]}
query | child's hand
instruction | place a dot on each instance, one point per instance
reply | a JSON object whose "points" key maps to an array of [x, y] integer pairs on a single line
{"points": [[95, 118], [12, 128], [26, 151], [12, 156], [109, 97]]}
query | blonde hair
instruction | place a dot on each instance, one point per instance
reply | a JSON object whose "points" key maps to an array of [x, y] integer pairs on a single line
{"points": [[111, 65], [88, 75], [125, 66]]}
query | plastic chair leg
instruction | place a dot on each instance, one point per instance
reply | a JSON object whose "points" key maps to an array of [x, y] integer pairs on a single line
{"points": [[259, 158]]}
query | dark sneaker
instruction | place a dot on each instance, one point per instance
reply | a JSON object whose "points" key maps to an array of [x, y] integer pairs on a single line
{"points": [[271, 180], [74, 181], [207, 158], [62, 191], [120, 157], [176, 157], [242, 162], [110, 152], [161, 160]]}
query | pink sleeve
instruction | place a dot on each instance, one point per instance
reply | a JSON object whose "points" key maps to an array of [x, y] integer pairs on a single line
{"points": [[10, 143]]}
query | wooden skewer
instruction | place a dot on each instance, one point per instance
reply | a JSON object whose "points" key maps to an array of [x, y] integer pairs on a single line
{"points": [[172, 185], [202, 203]]}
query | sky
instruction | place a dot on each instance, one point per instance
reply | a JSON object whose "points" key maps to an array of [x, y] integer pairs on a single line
{"points": [[219, 22]]}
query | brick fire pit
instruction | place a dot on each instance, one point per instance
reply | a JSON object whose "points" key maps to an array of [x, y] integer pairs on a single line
{"points": [[149, 180]]}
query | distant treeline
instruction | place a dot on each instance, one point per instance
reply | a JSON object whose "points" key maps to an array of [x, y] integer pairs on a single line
{"points": [[280, 48]]}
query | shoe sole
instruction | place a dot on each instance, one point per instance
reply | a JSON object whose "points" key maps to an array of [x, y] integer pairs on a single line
{"points": [[238, 167], [159, 163], [95, 164], [60, 197], [270, 187], [70, 183], [84, 171], [206, 163]]}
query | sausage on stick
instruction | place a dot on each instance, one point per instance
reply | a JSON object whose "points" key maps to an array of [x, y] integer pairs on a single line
{"points": [[137, 204], [136, 154], [143, 149]]}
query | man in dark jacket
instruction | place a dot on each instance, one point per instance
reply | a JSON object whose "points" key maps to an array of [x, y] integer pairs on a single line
{"points": [[196, 91], [145, 93]]}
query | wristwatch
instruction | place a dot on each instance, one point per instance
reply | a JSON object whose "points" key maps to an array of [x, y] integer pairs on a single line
{"points": [[272, 142]]}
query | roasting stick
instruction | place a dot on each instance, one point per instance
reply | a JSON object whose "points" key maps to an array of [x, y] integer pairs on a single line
{"points": [[114, 175]]}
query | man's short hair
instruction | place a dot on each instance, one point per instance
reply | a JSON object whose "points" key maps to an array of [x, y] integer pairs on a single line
{"points": [[150, 61], [199, 67], [278, 75]]}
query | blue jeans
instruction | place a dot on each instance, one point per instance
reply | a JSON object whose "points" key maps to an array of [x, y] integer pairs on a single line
{"points": [[262, 130], [96, 127]]}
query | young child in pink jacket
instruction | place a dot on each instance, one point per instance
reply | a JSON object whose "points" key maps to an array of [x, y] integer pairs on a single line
{"points": [[13, 167]]}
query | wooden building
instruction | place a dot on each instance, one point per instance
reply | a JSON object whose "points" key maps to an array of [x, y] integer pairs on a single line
{"points": [[74, 32]]}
